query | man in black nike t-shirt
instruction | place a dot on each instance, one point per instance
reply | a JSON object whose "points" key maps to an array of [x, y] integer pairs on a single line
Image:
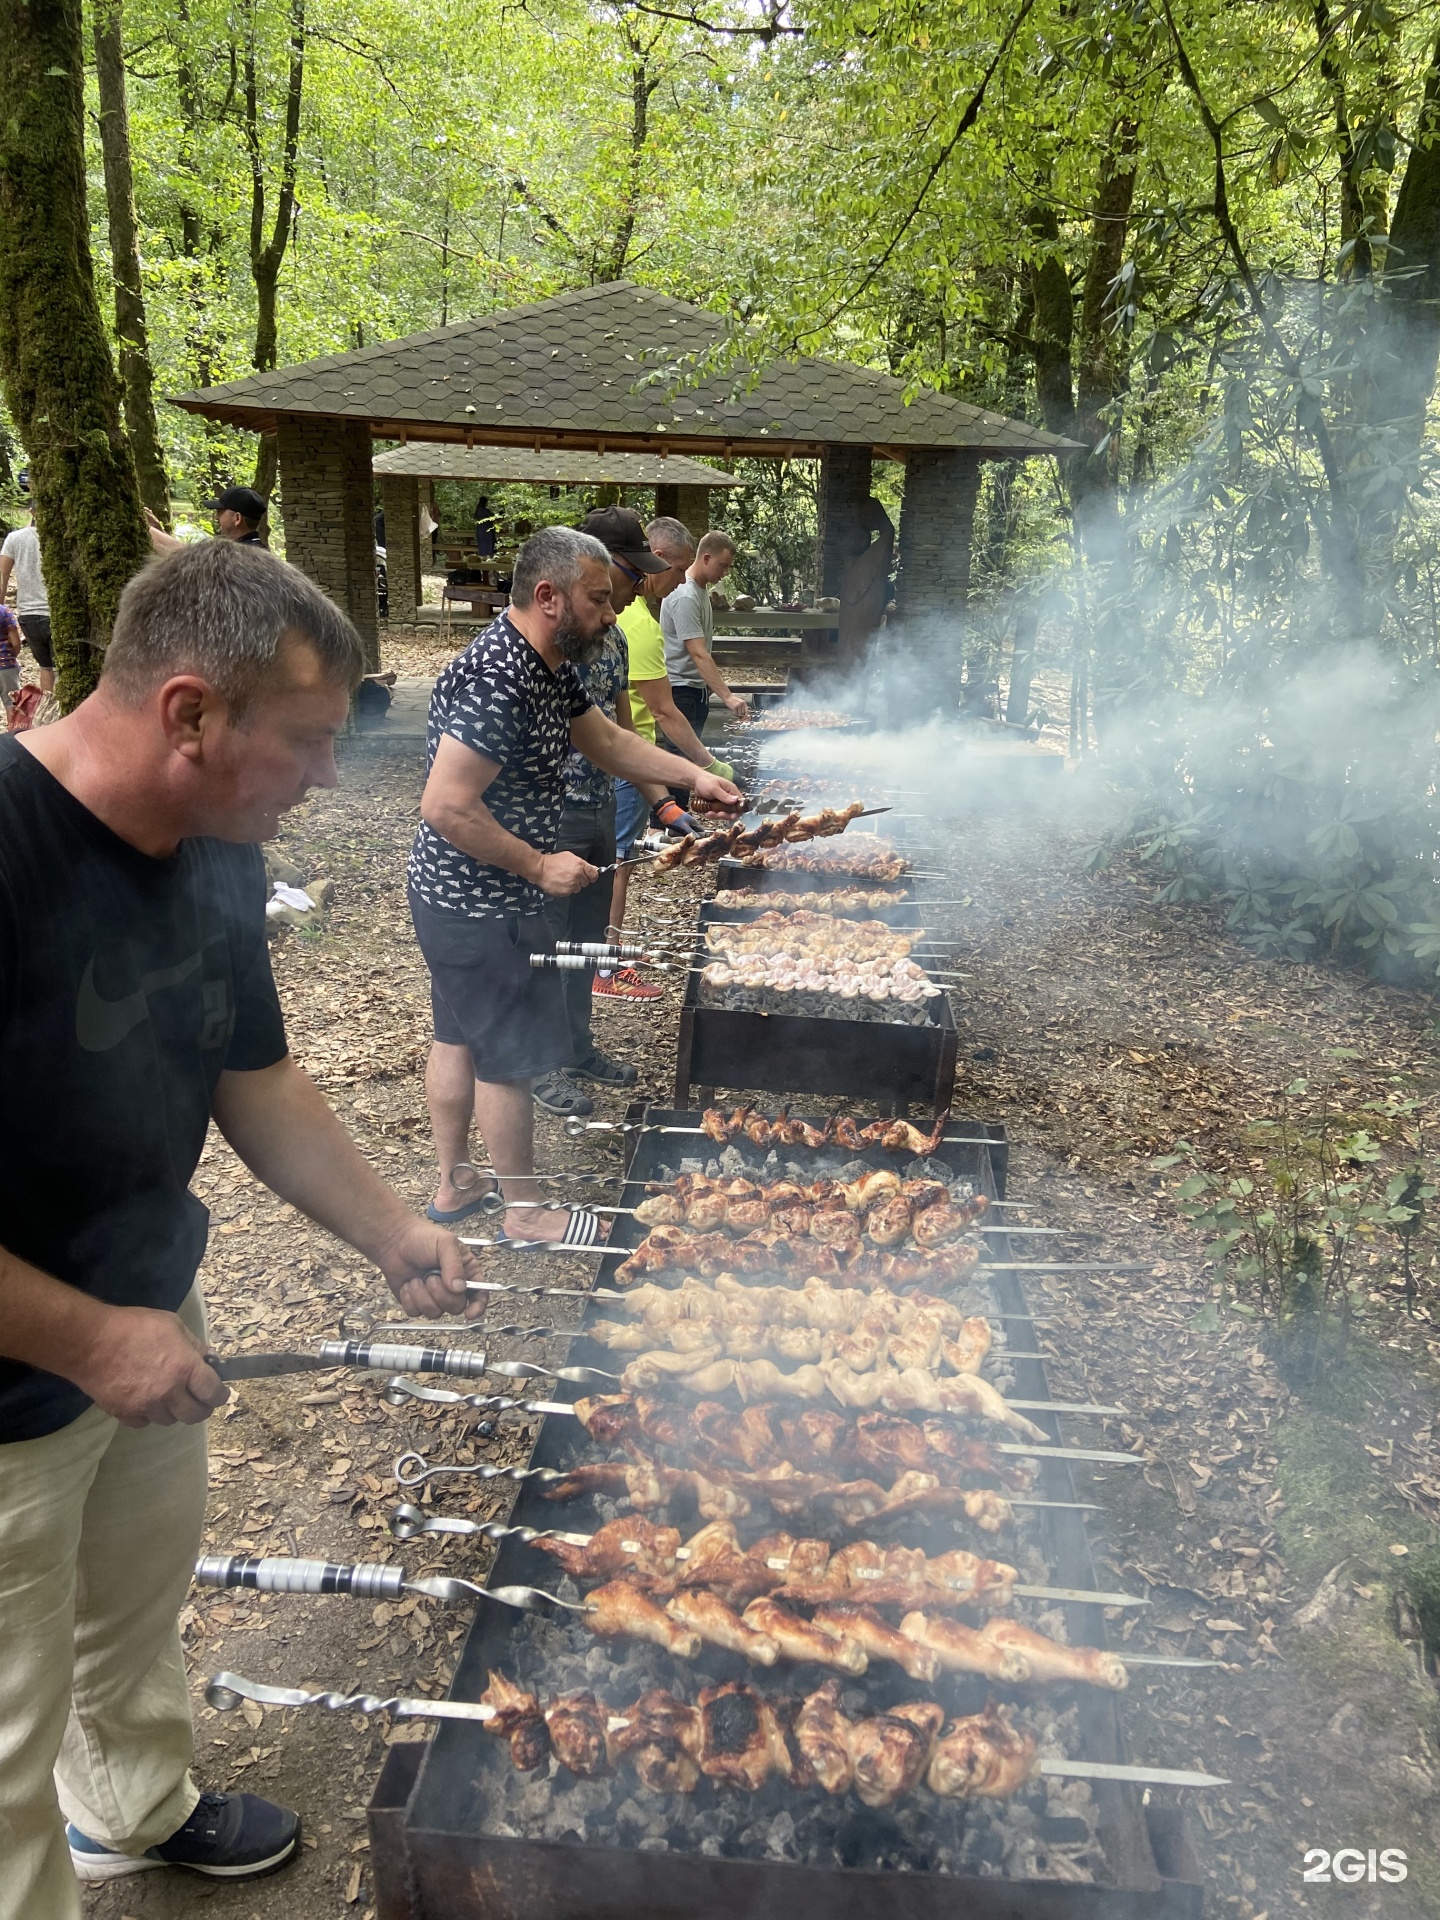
{"points": [[136, 1005]]}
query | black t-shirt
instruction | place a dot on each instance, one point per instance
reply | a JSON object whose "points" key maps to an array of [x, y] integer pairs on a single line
{"points": [[127, 985]]}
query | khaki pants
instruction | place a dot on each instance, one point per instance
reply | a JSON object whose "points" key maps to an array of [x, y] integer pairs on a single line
{"points": [[99, 1527]]}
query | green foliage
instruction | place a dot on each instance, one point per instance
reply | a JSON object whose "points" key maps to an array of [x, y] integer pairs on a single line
{"points": [[1323, 1188]]}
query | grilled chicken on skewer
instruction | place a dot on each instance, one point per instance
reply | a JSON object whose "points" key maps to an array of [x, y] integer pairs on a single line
{"points": [[809, 1571], [832, 1245], [844, 902], [733, 1735], [817, 1440], [908, 1390]]}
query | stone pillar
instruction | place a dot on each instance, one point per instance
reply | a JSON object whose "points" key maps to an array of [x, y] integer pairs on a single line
{"points": [[937, 518], [400, 498], [844, 489], [327, 490], [689, 505]]}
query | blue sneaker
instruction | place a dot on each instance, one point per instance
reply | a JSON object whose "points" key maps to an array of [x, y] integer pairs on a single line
{"points": [[229, 1836]]}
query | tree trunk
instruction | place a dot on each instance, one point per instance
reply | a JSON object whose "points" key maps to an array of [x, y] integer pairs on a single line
{"points": [[195, 243], [1412, 286], [268, 256], [60, 382], [130, 329], [642, 85], [1053, 328]]}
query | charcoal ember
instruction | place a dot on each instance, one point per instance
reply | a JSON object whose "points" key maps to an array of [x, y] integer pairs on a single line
{"points": [[780, 1840]]}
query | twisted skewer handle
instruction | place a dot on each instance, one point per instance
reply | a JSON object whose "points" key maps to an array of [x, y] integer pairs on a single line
{"points": [[225, 1691], [413, 1470], [397, 1392], [407, 1521], [282, 1575]]}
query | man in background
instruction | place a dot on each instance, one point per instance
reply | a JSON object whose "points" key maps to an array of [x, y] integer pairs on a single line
{"points": [[486, 529], [20, 556], [238, 512], [587, 825], [652, 706], [687, 621]]}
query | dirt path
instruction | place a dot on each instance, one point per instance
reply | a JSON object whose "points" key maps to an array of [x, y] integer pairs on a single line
{"points": [[1099, 1031]]}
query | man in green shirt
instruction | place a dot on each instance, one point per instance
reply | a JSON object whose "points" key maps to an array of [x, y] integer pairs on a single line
{"points": [[652, 704]]}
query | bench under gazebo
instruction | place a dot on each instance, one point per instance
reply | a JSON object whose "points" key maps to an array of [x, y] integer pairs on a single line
{"points": [[614, 369]]}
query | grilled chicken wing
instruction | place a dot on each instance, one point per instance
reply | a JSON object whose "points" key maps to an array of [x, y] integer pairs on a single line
{"points": [[982, 1757], [741, 1739], [517, 1719], [822, 1733], [661, 1740], [890, 1751], [576, 1725], [889, 1223], [621, 1611], [633, 1546], [966, 1350]]}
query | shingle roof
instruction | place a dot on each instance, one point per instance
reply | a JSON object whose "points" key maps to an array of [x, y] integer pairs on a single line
{"points": [[611, 367], [437, 460]]}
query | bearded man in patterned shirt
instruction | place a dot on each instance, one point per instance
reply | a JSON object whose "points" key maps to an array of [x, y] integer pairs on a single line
{"points": [[504, 717]]}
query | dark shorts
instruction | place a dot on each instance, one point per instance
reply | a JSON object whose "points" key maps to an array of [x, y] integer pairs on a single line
{"points": [[36, 628], [485, 995]]}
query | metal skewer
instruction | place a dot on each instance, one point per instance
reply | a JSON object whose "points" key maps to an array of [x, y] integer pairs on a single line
{"points": [[576, 1129], [359, 1580], [225, 1691], [410, 1474], [399, 1391]]}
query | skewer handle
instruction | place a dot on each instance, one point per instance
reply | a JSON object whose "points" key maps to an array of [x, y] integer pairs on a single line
{"points": [[282, 1575], [384, 1356], [225, 1691]]}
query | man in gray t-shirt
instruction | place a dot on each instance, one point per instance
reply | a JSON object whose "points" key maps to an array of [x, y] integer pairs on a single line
{"points": [[20, 555], [687, 622]]}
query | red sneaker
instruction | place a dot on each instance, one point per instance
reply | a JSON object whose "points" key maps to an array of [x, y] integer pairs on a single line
{"points": [[625, 984]]}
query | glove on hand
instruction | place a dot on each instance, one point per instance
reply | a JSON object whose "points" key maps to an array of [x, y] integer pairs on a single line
{"points": [[722, 770], [673, 817]]}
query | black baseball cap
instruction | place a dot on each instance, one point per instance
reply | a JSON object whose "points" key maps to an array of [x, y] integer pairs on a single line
{"points": [[620, 530], [241, 500]]}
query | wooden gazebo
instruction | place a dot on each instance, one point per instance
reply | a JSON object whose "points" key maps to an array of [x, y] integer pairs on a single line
{"points": [[682, 488], [616, 368]]}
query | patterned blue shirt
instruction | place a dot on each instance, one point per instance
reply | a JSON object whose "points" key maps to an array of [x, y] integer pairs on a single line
{"points": [[604, 679], [499, 699]]}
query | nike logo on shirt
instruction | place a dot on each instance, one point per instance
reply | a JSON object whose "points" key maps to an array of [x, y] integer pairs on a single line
{"points": [[103, 1024]]}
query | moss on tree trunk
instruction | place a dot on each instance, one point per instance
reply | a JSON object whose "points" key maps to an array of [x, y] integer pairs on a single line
{"points": [[60, 381]]}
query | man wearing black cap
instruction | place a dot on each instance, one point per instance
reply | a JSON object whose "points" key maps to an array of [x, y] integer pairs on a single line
{"points": [[238, 512], [587, 825]]}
